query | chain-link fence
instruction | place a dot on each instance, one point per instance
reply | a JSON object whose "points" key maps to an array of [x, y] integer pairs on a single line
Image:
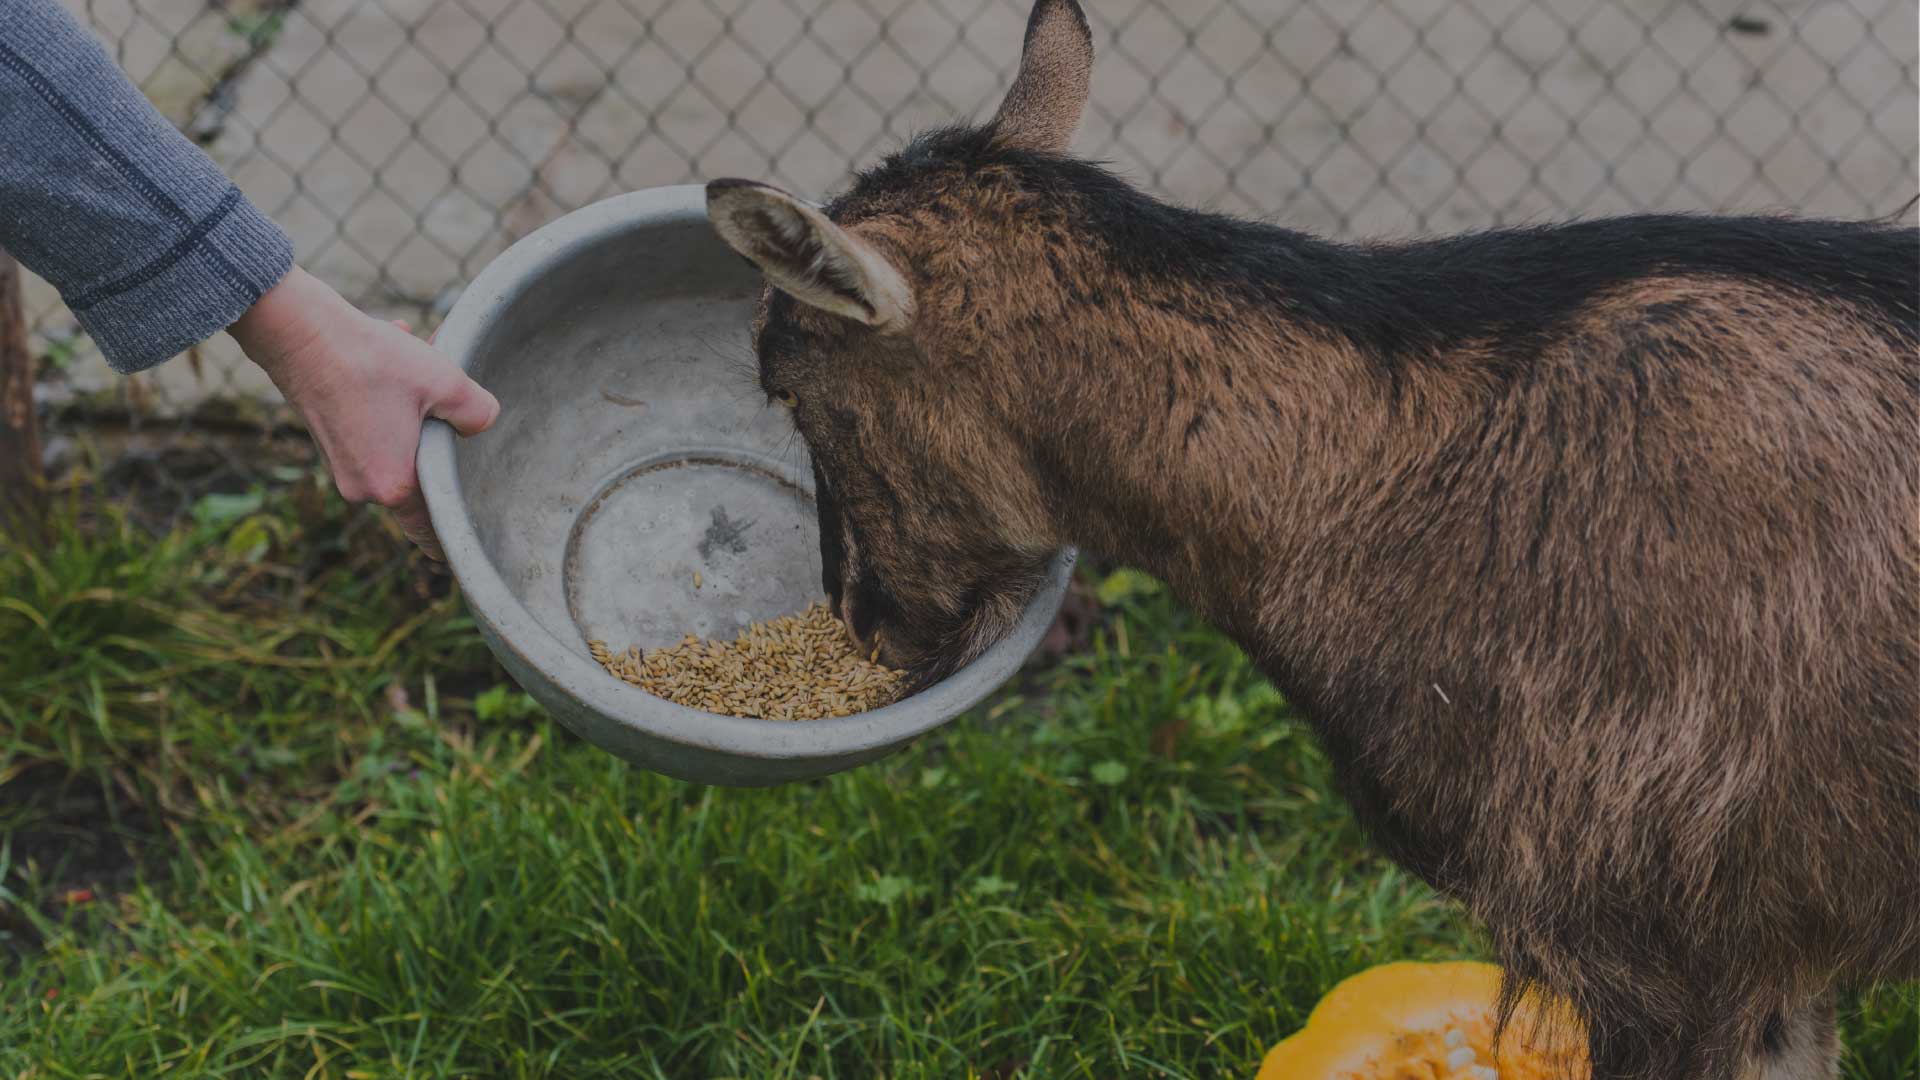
{"points": [[404, 143]]}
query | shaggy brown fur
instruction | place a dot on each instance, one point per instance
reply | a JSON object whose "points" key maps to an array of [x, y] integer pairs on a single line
{"points": [[1606, 607]]}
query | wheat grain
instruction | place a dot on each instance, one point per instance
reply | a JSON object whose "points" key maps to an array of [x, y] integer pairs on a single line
{"points": [[796, 667]]}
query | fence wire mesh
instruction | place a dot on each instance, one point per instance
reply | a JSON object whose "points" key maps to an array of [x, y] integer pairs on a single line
{"points": [[404, 143]]}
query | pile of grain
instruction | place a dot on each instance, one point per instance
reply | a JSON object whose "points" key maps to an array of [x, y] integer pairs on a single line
{"points": [[796, 667]]}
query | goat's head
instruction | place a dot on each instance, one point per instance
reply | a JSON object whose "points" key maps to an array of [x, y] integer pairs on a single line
{"points": [[933, 530]]}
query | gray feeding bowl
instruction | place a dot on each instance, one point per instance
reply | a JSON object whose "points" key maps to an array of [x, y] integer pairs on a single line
{"points": [[633, 452]]}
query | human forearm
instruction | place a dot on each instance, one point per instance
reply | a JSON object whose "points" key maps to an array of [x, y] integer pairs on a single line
{"points": [[155, 250], [149, 243]]}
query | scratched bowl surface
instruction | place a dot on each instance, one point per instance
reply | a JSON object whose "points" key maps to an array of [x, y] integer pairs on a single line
{"points": [[637, 488]]}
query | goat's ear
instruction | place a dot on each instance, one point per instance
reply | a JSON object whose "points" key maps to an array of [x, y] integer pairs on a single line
{"points": [[1043, 108], [807, 256]]}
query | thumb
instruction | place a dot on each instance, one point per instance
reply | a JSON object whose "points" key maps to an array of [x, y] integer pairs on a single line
{"points": [[466, 405]]}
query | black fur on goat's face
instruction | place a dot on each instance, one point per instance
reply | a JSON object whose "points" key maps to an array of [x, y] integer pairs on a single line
{"points": [[914, 550]]}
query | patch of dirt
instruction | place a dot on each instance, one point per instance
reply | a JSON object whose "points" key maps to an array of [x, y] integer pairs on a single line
{"points": [[158, 471], [70, 839]]}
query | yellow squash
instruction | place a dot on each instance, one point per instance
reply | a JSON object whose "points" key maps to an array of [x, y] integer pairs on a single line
{"points": [[1426, 1022]]}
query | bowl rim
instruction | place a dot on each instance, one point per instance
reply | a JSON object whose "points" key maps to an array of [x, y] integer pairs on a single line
{"points": [[572, 672]]}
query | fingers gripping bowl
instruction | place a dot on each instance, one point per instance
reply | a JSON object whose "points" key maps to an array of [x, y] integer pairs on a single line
{"points": [[636, 490]]}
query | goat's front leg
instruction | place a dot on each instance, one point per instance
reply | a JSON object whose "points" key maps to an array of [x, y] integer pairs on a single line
{"points": [[1799, 1045]]}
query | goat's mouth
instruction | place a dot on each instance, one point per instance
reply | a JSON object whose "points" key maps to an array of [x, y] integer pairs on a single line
{"points": [[929, 649], [916, 647]]}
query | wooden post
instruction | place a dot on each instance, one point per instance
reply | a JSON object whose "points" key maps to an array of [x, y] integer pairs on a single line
{"points": [[22, 479]]}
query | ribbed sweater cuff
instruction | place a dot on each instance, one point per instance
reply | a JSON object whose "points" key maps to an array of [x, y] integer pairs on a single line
{"points": [[203, 285]]}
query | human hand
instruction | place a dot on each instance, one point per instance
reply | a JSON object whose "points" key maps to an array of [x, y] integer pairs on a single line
{"points": [[364, 387]]}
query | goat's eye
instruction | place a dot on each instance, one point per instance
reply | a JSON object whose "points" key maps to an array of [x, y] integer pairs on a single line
{"points": [[787, 398]]}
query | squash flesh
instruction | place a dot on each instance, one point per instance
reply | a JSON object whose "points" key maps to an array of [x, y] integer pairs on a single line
{"points": [[1412, 1021]]}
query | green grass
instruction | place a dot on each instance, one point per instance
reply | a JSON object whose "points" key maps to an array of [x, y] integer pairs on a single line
{"points": [[361, 853]]}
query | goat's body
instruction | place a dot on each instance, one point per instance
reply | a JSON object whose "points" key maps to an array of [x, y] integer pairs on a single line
{"points": [[1608, 623], [1622, 651], [1592, 552]]}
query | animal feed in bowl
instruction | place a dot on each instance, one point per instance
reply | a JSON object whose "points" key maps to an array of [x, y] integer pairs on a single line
{"points": [[796, 667]]}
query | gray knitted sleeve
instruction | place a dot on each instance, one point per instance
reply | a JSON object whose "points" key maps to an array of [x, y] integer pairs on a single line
{"points": [[149, 243]]}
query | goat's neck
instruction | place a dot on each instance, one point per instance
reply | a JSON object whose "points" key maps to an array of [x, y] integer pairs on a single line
{"points": [[1232, 460]]}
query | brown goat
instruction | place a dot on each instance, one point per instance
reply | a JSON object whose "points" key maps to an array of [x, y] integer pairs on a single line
{"points": [[1591, 551]]}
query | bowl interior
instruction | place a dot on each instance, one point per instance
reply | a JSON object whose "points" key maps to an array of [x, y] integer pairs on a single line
{"points": [[637, 487]]}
